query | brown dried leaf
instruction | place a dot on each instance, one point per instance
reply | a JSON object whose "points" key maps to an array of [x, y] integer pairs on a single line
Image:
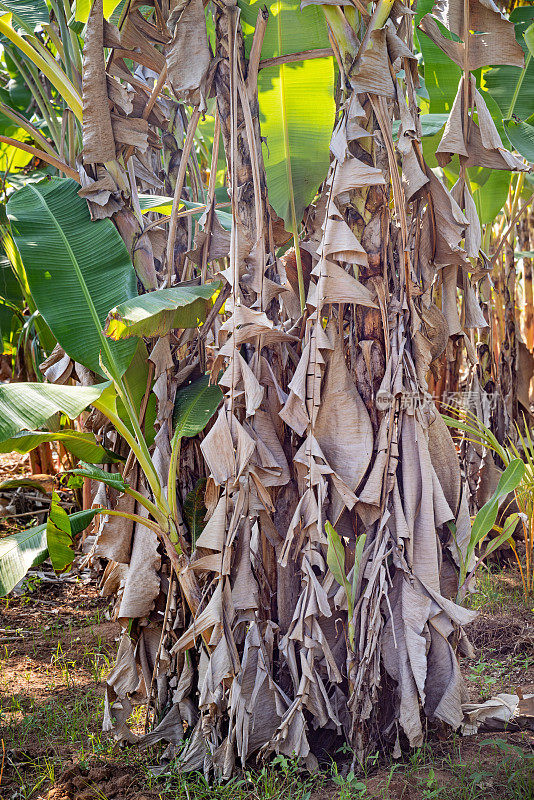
{"points": [[188, 54], [491, 36], [98, 135], [371, 71]]}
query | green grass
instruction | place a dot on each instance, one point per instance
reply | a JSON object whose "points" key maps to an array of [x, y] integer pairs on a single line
{"points": [[496, 590], [59, 719], [444, 772], [69, 722], [504, 772]]}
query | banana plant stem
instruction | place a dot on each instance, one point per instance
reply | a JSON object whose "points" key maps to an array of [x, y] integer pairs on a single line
{"points": [[75, 42], [146, 462], [44, 156], [298, 259], [180, 180], [148, 523], [285, 129], [173, 473], [158, 515], [144, 458], [59, 11]]}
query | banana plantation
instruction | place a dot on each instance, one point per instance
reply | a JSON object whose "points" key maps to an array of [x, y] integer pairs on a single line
{"points": [[266, 309]]}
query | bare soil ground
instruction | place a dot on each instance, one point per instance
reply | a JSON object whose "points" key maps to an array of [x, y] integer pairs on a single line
{"points": [[57, 644]]}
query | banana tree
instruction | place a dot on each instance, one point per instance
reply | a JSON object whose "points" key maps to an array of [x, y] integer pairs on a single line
{"points": [[499, 195], [61, 248], [285, 475]]}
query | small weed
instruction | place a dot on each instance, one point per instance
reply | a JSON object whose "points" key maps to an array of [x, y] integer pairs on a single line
{"points": [[67, 666], [31, 583], [524, 661], [483, 674], [98, 661], [430, 787], [349, 787]]}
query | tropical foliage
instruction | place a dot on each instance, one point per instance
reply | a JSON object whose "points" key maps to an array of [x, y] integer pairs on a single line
{"points": [[249, 249]]}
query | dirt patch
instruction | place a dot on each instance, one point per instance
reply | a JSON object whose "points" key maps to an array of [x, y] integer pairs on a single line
{"points": [[505, 634], [56, 646], [497, 765], [13, 465], [59, 646], [109, 780], [503, 640], [473, 767], [60, 611]]}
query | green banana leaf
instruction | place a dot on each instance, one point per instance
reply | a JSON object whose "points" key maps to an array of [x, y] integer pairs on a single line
{"points": [[521, 135], [430, 145], [112, 479], [13, 159], [513, 88], [10, 324], [423, 7], [296, 104], [194, 406], [81, 445], [83, 263], [18, 180], [29, 406], [9, 286], [157, 313], [83, 8], [16, 95], [528, 36], [335, 556], [29, 548], [10, 303], [289, 30], [204, 139], [18, 553], [489, 188], [441, 74], [34, 483], [27, 14], [296, 118], [194, 510], [430, 124], [10, 329], [18, 274], [59, 539], [506, 535], [486, 517], [163, 205]]}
